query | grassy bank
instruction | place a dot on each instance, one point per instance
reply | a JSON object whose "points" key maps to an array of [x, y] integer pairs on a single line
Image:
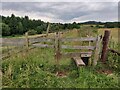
{"points": [[37, 70]]}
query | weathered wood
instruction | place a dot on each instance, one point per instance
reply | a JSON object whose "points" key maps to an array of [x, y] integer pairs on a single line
{"points": [[58, 55], [114, 51], [74, 54], [57, 48], [86, 55], [105, 46], [78, 47], [48, 29], [43, 45], [27, 40], [55, 45], [13, 41], [38, 40], [13, 44], [96, 51], [78, 61], [79, 39]]}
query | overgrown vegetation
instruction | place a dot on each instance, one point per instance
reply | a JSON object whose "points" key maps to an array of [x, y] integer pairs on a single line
{"points": [[38, 70]]}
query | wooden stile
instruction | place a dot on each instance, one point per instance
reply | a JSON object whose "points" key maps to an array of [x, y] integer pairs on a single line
{"points": [[78, 61], [74, 54], [96, 51], [27, 41]]}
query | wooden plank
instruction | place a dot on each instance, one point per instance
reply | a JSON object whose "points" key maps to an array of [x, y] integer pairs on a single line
{"points": [[74, 54], [13, 44], [78, 61], [78, 47], [19, 41], [48, 29], [114, 51], [58, 48], [37, 40], [86, 55], [27, 41], [43, 45], [96, 51], [79, 39]]}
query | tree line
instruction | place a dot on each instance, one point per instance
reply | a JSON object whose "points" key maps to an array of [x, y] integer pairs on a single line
{"points": [[14, 25]]}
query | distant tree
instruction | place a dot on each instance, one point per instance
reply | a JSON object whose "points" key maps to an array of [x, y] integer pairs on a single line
{"points": [[39, 29], [75, 25], [13, 24], [20, 28], [32, 32], [111, 25], [5, 29]]}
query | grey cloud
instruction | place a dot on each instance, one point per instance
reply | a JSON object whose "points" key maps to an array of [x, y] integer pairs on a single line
{"points": [[65, 11]]}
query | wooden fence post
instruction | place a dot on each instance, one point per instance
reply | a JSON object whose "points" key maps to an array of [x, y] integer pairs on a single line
{"points": [[48, 29], [97, 51], [105, 45], [57, 48], [27, 41], [89, 60]]}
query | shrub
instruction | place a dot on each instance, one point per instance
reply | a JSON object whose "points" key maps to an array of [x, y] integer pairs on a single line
{"points": [[32, 32]]}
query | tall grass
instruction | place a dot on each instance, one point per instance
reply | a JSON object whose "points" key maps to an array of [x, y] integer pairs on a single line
{"points": [[37, 69]]}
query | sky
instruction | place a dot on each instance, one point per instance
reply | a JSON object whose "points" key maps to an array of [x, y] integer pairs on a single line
{"points": [[63, 12]]}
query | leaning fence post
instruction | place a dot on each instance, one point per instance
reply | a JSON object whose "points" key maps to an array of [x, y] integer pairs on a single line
{"points": [[105, 45], [27, 41], [57, 48], [48, 29], [96, 51]]}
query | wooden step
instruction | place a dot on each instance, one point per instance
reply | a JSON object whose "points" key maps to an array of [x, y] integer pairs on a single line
{"points": [[86, 55], [78, 61]]}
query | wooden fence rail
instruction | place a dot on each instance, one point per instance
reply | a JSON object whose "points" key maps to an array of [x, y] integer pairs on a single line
{"points": [[79, 39], [78, 47], [114, 51], [56, 43]]}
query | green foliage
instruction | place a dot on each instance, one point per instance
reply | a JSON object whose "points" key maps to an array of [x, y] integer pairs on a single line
{"points": [[73, 74], [111, 25], [32, 32], [5, 29], [20, 28], [20, 25], [39, 29], [113, 58]]}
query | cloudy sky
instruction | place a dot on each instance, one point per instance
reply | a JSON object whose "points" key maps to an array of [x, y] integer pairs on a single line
{"points": [[63, 11]]}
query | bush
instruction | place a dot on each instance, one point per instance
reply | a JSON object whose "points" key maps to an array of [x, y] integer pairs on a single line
{"points": [[32, 32]]}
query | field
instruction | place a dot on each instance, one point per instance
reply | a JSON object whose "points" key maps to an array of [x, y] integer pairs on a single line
{"points": [[114, 33], [37, 68]]}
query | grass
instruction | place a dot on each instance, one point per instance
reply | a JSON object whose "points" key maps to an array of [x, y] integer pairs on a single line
{"points": [[38, 69], [113, 35]]}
